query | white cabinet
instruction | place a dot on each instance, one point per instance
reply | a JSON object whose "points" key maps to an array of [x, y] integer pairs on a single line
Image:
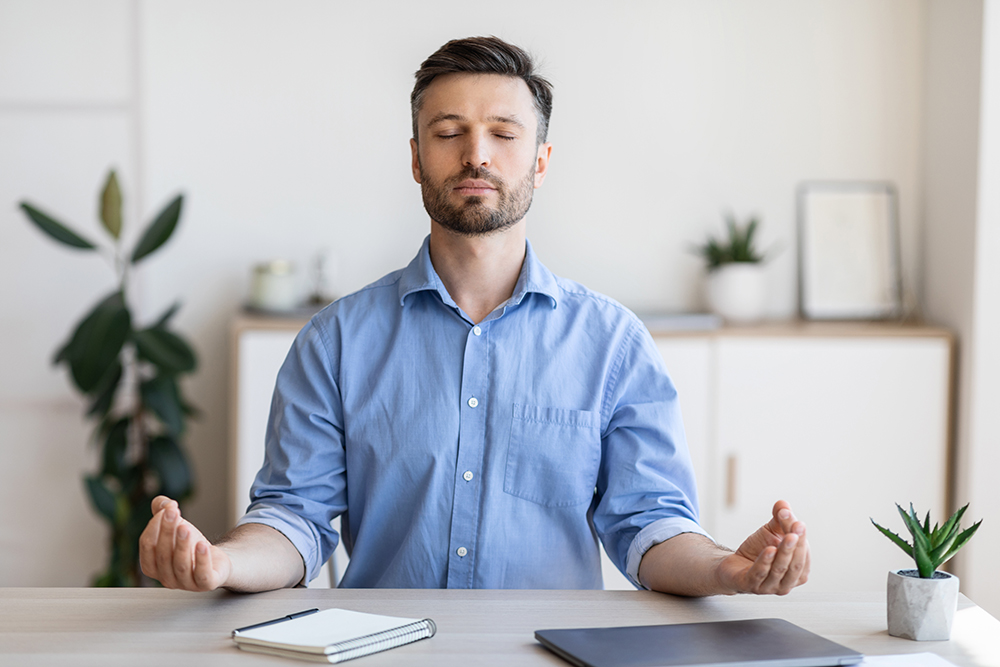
{"points": [[841, 421], [840, 427]]}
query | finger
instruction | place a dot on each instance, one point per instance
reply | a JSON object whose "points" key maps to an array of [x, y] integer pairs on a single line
{"points": [[162, 503], [793, 576], [204, 573], [147, 546], [165, 547], [758, 572], [782, 517], [183, 558], [782, 560]]}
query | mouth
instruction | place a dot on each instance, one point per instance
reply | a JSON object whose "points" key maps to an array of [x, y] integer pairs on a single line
{"points": [[473, 187]]}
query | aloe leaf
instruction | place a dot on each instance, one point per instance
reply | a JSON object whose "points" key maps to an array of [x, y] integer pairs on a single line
{"points": [[102, 498], [896, 539], [55, 229], [911, 522], [159, 230], [963, 537], [166, 350], [97, 341], [111, 206], [951, 525], [168, 462]]}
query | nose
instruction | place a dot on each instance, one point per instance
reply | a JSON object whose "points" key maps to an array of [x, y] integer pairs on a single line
{"points": [[477, 152]]}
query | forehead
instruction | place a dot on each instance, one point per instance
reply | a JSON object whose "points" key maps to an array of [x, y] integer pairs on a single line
{"points": [[478, 97]]}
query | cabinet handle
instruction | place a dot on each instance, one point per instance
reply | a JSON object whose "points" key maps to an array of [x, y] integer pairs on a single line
{"points": [[731, 481]]}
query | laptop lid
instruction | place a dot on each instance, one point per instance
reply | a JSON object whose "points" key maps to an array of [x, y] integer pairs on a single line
{"points": [[766, 642]]}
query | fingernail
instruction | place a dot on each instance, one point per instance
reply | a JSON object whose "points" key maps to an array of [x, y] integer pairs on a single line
{"points": [[202, 548], [183, 533], [800, 530], [171, 515], [784, 514], [790, 540]]}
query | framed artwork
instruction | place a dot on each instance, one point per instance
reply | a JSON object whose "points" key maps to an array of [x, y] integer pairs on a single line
{"points": [[848, 251]]}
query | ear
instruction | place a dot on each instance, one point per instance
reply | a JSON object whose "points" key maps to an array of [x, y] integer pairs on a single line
{"points": [[415, 160], [542, 163]]}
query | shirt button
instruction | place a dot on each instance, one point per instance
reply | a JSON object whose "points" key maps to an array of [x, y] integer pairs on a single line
{"points": [[477, 331], [467, 476], [462, 551], [473, 402]]}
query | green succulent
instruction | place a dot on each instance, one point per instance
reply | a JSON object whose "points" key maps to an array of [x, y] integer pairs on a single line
{"points": [[736, 246], [931, 547], [129, 375]]}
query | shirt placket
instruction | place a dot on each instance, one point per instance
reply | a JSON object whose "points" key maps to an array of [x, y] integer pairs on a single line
{"points": [[471, 445]]}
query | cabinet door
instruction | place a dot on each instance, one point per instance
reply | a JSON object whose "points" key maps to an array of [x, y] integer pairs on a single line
{"points": [[842, 428]]}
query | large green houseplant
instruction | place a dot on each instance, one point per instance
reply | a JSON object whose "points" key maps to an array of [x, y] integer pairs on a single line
{"points": [[129, 375]]}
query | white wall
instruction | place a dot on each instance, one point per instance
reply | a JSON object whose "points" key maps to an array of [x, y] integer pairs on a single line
{"points": [[286, 125], [962, 278]]}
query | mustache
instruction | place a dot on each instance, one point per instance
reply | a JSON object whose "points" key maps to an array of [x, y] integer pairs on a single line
{"points": [[478, 174]]}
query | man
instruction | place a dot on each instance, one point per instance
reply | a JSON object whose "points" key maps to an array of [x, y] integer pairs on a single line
{"points": [[478, 421]]}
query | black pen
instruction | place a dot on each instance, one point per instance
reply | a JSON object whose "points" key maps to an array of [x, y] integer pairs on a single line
{"points": [[277, 620]]}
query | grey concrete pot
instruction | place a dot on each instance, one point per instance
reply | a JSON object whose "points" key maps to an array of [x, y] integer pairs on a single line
{"points": [[921, 609]]}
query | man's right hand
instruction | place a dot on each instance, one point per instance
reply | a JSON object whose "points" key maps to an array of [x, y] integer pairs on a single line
{"points": [[174, 552]]}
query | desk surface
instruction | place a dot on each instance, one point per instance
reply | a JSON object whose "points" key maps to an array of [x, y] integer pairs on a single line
{"points": [[108, 627]]}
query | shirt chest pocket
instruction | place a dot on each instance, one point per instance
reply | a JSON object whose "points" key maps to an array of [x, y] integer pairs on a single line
{"points": [[553, 455]]}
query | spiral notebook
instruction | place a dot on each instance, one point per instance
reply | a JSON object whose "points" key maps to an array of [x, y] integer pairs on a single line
{"points": [[333, 635]]}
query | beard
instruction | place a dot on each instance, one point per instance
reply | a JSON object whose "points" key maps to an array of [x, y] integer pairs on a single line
{"points": [[474, 216]]}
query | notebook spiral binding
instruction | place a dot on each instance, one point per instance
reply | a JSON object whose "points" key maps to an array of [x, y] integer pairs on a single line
{"points": [[381, 641]]}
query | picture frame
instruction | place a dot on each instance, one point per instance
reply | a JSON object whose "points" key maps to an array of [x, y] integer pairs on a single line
{"points": [[849, 266]]}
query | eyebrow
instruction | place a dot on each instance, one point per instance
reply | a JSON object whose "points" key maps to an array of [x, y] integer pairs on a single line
{"points": [[442, 117]]}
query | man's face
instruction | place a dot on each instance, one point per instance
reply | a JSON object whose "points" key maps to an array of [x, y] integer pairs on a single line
{"points": [[477, 159]]}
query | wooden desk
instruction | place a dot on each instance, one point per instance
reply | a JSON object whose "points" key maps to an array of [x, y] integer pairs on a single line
{"points": [[108, 627]]}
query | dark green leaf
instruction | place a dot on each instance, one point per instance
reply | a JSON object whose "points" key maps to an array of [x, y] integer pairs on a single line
{"points": [[113, 457], [111, 206], [106, 390], [963, 537], [102, 498], [165, 317], [951, 525], [97, 341], [896, 539], [55, 229], [159, 230], [166, 350], [168, 462], [161, 396]]}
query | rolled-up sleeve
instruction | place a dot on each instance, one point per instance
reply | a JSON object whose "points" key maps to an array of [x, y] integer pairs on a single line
{"points": [[646, 490], [301, 487]]}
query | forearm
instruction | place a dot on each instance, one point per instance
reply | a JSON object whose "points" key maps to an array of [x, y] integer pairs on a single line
{"points": [[687, 564], [262, 559]]}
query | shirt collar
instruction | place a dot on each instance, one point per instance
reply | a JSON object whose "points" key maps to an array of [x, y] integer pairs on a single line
{"points": [[420, 276]]}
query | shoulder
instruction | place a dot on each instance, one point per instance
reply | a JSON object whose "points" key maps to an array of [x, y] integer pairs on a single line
{"points": [[601, 310], [367, 307]]}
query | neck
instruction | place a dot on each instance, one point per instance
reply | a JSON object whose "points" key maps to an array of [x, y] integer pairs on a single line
{"points": [[479, 272]]}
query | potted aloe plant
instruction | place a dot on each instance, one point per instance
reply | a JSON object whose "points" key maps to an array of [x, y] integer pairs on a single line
{"points": [[129, 375], [922, 602], [735, 287]]}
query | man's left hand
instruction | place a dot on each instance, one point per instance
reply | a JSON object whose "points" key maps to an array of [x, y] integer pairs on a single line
{"points": [[774, 560]]}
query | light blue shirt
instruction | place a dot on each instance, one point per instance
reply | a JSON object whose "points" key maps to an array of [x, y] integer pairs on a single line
{"points": [[475, 456]]}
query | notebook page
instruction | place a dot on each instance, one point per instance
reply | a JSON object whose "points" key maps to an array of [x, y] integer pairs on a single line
{"points": [[323, 628]]}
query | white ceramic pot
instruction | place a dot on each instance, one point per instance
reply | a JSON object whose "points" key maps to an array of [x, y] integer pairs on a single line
{"points": [[921, 609], [737, 292]]}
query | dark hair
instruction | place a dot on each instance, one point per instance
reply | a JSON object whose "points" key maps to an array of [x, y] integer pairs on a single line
{"points": [[484, 55]]}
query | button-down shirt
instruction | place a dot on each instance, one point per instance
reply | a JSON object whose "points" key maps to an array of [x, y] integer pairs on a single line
{"points": [[465, 455]]}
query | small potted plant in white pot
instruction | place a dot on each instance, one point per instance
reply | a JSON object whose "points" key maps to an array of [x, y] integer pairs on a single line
{"points": [[921, 603], [735, 286]]}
